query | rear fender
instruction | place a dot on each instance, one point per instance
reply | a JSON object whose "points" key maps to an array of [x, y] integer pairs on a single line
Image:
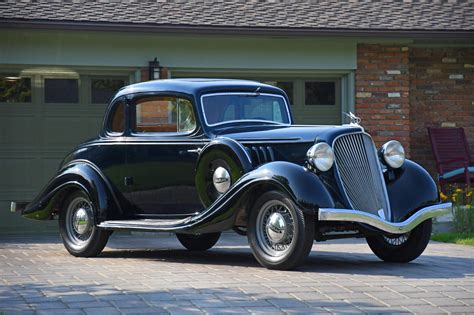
{"points": [[75, 175]]}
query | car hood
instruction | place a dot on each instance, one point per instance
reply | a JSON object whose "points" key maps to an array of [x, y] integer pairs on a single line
{"points": [[285, 134]]}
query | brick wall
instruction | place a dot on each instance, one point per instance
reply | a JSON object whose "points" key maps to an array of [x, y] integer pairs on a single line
{"points": [[400, 91], [382, 92], [441, 93]]}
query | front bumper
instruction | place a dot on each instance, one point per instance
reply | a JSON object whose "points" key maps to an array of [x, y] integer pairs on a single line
{"points": [[349, 215]]}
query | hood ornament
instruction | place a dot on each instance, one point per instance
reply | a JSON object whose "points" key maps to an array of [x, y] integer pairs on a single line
{"points": [[354, 119]]}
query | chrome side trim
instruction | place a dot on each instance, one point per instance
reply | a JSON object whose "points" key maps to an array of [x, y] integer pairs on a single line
{"points": [[348, 215]]}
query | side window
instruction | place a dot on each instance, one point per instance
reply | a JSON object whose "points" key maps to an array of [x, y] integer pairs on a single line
{"points": [[116, 121], [164, 114]]}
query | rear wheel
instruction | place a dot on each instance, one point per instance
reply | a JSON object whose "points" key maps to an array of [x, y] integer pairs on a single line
{"points": [[198, 242], [279, 233], [80, 235], [401, 248]]}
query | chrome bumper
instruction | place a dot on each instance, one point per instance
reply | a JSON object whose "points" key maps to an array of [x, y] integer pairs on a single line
{"points": [[18, 206], [331, 214]]}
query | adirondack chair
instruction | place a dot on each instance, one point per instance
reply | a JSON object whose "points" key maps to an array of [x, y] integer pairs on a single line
{"points": [[451, 153]]}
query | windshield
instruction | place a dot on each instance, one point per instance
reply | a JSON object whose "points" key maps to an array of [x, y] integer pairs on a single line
{"points": [[252, 107]]}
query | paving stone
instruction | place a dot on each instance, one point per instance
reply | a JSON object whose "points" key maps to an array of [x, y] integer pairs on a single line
{"points": [[78, 298], [37, 275], [265, 310], [101, 311], [143, 310], [47, 305], [224, 310], [425, 309]]}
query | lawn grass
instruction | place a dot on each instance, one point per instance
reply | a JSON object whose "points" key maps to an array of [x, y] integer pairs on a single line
{"points": [[455, 237]]}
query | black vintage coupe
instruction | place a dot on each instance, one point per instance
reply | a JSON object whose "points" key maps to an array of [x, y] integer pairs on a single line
{"points": [[201, 156]]}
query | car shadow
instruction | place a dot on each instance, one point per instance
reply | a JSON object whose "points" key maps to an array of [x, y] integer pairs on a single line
{"points": [[237, 253], [109, 299]]}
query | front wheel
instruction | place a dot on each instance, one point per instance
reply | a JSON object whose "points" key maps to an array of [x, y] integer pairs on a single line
{"points": [[279, 233], [80, 235], [401, 248], [198, 242]]}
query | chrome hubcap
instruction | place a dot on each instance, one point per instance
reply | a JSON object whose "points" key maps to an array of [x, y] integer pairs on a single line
{"points": [[275, 228], [81, 221], [221, 179]]}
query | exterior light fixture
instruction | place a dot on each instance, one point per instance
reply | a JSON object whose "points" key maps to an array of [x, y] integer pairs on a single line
{"points": [[154, 70]]}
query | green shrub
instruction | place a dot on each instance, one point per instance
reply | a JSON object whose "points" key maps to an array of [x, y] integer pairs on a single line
{"points": [[463, 218], [463, 208]]}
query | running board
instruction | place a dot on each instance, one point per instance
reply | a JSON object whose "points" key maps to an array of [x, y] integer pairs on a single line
{"points": [[144, 224]]}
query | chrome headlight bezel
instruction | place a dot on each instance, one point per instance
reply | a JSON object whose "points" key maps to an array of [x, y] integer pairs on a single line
{"points": [[393, 154], [321, 156]]}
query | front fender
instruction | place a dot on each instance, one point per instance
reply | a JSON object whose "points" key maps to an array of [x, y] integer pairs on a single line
{"points": [[231, 147], [303, 187], [411, 189], [80, 175]]}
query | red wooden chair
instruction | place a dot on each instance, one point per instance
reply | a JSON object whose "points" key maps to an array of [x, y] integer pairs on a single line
{"points": [[451, 152]]}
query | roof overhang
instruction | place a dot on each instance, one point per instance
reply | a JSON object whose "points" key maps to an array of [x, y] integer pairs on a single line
{"points": [[451, 35]]}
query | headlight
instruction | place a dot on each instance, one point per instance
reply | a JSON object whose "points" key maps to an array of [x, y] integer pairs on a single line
{"points": [[393, 154], [321, 156]]}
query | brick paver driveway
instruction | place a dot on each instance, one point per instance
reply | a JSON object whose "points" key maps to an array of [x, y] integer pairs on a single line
{"points": [[154, 274]]}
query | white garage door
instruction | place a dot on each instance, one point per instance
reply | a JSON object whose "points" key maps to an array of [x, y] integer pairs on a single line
{"points": [[42, 117]]}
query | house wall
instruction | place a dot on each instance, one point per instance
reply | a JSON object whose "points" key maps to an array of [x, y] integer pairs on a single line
{"points": [[441, 93], [401, 90], [99, 49], [382, 92]]}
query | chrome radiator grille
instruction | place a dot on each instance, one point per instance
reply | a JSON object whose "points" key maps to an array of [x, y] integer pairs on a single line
{"points": [[359, 173]]}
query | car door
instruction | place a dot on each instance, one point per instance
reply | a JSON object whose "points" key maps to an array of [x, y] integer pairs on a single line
{"points": [[162, 152], [109, 153]]}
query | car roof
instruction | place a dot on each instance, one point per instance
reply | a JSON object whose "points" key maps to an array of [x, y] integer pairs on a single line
{"points": [[198, 86]]}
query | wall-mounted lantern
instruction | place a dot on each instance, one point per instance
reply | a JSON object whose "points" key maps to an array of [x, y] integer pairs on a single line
{"points": [[154, 70]]}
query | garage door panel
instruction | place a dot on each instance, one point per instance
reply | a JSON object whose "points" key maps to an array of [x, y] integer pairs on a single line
{"points": [[18, 131], [64, 132], [16, 173]]}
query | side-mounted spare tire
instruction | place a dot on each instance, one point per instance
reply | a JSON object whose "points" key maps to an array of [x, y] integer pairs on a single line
{"points": [[216, 167]]}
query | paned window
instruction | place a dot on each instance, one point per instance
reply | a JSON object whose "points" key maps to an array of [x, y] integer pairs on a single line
{"points": [[117, 118], [320, 93], [15, 89], [61, 91], [164, 114], [102, 90]]}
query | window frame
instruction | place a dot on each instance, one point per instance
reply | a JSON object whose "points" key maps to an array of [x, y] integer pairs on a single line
{"points": [[108, 117], [61, 77], [32, 90], [336, 92], [243, 120], [132, 115], [88, 81]]}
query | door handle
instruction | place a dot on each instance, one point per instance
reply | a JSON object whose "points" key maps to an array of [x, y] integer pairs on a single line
{"points": [[198, 150]]}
